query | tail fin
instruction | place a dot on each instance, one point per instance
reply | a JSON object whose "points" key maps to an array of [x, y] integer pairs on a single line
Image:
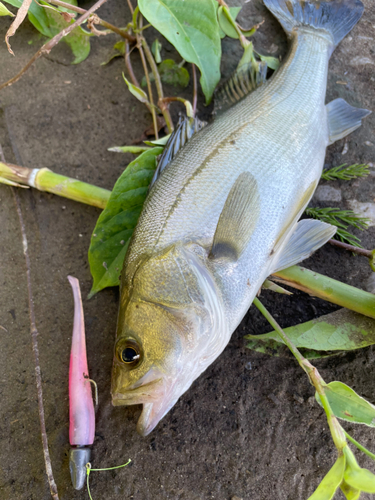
{"points": [[337, 17]]}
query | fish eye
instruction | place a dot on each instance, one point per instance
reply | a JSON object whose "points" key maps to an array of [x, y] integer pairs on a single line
{"points": [[129, 352], [129, 355]]}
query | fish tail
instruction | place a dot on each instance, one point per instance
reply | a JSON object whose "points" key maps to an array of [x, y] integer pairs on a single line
{"points": [[336, 17]]}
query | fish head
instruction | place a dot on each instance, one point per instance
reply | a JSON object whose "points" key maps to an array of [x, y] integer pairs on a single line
{"points": [[148, 362], [171, 327]]}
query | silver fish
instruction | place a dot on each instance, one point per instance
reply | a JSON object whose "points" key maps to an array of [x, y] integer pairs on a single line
{"points": [[223, 214]]}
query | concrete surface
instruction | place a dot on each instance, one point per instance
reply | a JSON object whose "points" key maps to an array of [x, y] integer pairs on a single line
{"points": [[248, 427]]}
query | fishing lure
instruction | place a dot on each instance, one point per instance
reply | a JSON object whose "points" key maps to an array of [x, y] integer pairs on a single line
{"points": [[81, 406]]}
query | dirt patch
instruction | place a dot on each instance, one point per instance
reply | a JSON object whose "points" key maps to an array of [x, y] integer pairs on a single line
{"points": [[248, 426]]}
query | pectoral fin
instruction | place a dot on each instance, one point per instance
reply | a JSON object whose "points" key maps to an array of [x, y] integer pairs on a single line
{"points": [[308, 236], [343, 119], [237, 220]]}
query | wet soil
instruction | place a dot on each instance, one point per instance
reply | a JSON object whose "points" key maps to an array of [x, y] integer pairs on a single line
{"points": [[249, 426]]}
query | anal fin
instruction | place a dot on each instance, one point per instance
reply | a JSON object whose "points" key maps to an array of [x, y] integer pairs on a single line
{"points": [[237, 220], [308, 236], [343, 119]]}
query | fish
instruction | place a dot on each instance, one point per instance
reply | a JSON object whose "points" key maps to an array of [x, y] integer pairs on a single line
{"points": [[223, 212]]}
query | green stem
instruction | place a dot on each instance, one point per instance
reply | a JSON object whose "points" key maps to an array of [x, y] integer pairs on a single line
{"points": [[144, 64], [314, 376], [45, 180], [165, 101], [244, 42], [359, 446], [280, 331], [328, 289], [158, 84]]}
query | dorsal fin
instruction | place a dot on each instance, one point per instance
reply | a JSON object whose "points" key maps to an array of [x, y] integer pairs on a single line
{"points": [[243, 81], [185, 129]]}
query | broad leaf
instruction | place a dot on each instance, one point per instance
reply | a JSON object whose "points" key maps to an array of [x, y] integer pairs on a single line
{"points": [[272, 62], [136, 91], [170, 73], [341, 330], [78, 39], [348, 405], [331, 481], [49, 22], [118, 50], [192, 28], [116, 223], [4, 11], [158, 142], [226, 28]]}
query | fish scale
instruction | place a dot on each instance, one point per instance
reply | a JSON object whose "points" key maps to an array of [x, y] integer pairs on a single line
{"points": [[223, 215]]}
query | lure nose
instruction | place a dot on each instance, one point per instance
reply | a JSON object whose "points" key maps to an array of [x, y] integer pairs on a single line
{"points": [[78, 458]]}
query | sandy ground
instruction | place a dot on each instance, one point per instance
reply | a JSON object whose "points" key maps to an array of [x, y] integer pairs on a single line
{"points": [[248, 427]]}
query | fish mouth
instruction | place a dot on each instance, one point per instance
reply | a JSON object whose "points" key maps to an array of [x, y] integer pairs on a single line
{"points": [[151, 415], [139, 393]]}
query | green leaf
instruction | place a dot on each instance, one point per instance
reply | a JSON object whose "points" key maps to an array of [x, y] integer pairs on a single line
{"points": [[342, 330], [331, 481], [348, 405], [349, 492], [226, 27], [155, 49], [355, 476], [49, 22], [158, 142], [4, 11], [172, 74], [272, 62], [78, 39], [136, 91], [192, 28], [118, 50], [129, 149], [116, 223], [37, 16]]}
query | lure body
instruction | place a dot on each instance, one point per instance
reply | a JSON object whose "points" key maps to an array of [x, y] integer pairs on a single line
{"points": [[81, 406]]}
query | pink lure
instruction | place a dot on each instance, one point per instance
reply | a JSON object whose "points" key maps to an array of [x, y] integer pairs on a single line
{"points": [[81, 406]]}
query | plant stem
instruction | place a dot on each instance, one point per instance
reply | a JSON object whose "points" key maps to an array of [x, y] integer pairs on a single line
{"points": [[100, 21], [165, 101], [149, 88], [328, 289], [359, 446], [45, 180], [279, 330], [158, 84], [314, 376], [351, 248], [370, 254], [129, 67], [195, 89], [47, 47]]}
